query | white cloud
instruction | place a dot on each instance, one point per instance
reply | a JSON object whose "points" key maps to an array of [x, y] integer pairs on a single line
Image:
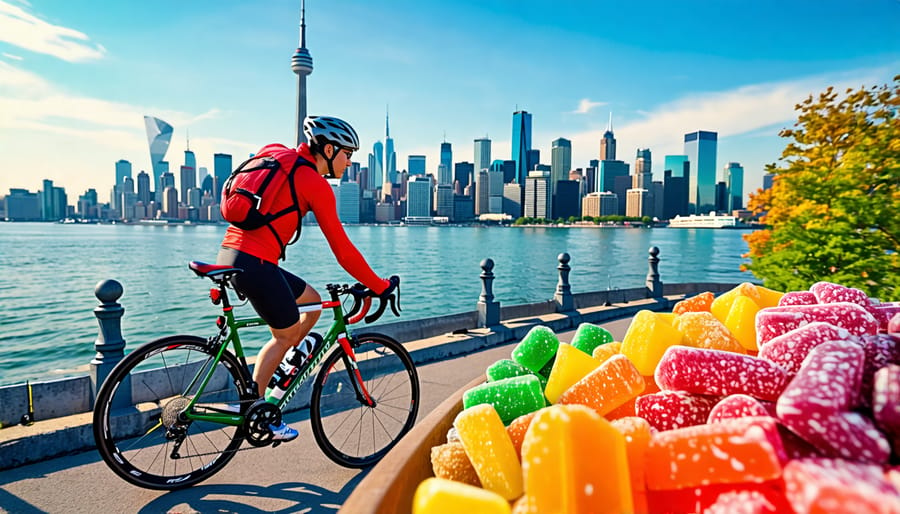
{"points": [[586, 105], [12, 56], [29, 32]]}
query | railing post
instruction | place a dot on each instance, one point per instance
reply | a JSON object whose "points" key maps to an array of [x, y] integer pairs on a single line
{"points": [[563, 296], [488, 309], [654, 284], [110, 345]]}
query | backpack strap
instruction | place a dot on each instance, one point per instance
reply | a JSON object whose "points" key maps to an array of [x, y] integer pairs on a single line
{"points": [[295, 198]]}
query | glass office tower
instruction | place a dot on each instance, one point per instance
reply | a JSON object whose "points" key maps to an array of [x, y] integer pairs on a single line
{"points": [[521, 144], [700, 147]]}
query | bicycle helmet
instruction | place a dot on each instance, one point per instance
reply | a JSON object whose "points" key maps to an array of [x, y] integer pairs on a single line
{"points": [[320, 130]]}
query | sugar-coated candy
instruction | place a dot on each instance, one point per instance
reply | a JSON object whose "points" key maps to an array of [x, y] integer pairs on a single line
{"points": [[442, 496], [646, 339], [512, 397], [847, 435], [668, 410], [741, 322], [537, 348], [893, 326], [605, 351], [733, 451], [490, 450], [505, 368], [703, 330], [560, 466], [829, 292], [886, 402], [719, 373], [789, 349], [589, 336], [768, 297], [774, 321], [889, 315], [798, 298], [699, 303], [827, 382], [637, 432], [721, 306], [570, 366], [450, 461], [738, 406], [517, 429], [834, 485], [748, 501], [607, 387], [627, 408], [700, 499], [881, 350]]}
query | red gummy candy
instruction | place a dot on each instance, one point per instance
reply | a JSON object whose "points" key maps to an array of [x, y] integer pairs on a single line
{"points": [[789, 349], [774, 321], [828, 292], [738, 406], [798, 298], [749, 501], [721, 373], [834, 485], [881, 350], [827, 382], [668, 410], [886, 401], [699, 499]]}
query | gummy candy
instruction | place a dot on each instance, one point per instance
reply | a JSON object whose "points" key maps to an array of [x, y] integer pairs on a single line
{"points": [[703, 330], [589, 336], [737, 406], [834, 485], [506, 368], [637, 432], [798, 298], [605, 351], [517, 429], [698, 303], [721, 306], [667, 410], [700, 499], [774, 321], [512, 397], [607, 387], [571, 365], [741, 322], [886, 402], [442, 496], [827, 381], [646, 339], [536, 349], [789, 349], [881, 350], [451, 462], [490, 450], [719, 373]]}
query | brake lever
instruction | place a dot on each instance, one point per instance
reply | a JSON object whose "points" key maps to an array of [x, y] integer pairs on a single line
{"points": [[377, 314], [395, 305]]}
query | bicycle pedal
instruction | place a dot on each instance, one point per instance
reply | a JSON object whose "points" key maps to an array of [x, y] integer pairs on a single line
{"points": [[275, 444]]}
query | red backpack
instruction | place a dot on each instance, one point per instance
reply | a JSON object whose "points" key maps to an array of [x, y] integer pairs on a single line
{"points": [[250, 191]]}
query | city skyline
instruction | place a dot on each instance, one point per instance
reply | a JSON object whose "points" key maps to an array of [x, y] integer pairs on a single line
{"points": [[78, 81]]}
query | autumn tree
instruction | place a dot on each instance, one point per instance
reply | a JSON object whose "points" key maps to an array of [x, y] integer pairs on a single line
{"points": [[833, 211]]}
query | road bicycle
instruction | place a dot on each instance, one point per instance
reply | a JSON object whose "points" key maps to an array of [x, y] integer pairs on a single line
{"points": [[175, 410]]}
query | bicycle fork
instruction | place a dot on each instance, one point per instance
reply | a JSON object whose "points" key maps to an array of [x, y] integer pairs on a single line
{"points": [[359, 386]]}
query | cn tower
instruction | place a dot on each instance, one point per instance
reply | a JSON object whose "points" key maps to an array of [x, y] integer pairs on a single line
{"points": [[301, 63]]}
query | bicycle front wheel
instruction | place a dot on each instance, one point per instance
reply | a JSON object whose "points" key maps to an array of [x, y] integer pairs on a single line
{"points": [[139, 426], [350, 430]]}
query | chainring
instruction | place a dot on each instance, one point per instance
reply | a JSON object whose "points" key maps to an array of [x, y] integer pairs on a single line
{"points": [[259, 416]]}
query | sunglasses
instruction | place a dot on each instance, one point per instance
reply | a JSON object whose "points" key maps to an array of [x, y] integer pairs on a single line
{"points": [[348, 153]]}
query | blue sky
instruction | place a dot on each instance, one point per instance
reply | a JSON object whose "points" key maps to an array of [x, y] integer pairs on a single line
{"points": [[76, 78]]}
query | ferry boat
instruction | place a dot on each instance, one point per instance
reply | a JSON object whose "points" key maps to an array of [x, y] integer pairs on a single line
{"points": [[711, 220]]}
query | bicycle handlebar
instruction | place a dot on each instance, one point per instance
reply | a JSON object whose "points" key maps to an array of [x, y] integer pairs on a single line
{"points": [[362, 301]]}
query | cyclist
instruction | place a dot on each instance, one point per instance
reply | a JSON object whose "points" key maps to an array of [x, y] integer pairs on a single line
{"points": [[275, 292]]}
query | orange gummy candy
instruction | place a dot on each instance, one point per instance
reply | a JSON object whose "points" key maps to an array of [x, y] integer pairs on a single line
{"points": [[610, 385], [699, 303], [703, 330]]}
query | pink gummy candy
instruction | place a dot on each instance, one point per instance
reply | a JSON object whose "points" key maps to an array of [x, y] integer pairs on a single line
{"points": [[834, 485], [847, 435], [774, 321], [738, 406], [881, 350], [827, 382], [828, 292], [789, 349], [798, 298], [667, 410], [721, 373], [886, 401]]}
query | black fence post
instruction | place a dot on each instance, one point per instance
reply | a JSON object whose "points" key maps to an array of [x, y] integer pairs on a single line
{"points": [[564, 300], [110, 344], [488, 309], [654, 284]]}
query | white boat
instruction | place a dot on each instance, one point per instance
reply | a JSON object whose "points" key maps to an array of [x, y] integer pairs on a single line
{"points": [[711, 220]]}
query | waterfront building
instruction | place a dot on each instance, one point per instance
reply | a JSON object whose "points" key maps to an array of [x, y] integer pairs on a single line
{"points": [[376, 166], [190, 160], [447, 155], [143, 187], [188, 181], [609, 170], [566, 202], [508, 167], [495, 191], [194, 197], [53, 202], [202, 173], [560, 161], [734, 182], [657, 193], [170, 202], [88, 205], [700, 148], [367, 206], [443, 201], [168, 180], [602, 203], [418, 197], [302, 65], [445, 175], [159, 134], [643, 174], [463, 209], [123, 170], [482, 155], [538, 201], [222, 168], [482, 193], [638, 203], [390, 157], [463, 172], [608, 143], [346, 196], [512, 200], [22, 205], [415, 165], [721, 196], [521, 144], [768, 180]]}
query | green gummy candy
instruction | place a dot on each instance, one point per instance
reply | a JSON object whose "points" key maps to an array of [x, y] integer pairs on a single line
{"points": [[589, 336], [536, 349], [510, 397], [505, 368]]}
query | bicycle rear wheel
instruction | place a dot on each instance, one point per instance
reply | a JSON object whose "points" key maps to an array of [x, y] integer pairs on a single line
{"points": [[137, 423], [348, 430]]}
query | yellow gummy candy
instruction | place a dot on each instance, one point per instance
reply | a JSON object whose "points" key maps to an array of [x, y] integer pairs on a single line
{"points": [[703, 330], [605, 351], [571, 365], [574, 461], [768, 297], [490, 449], [741, 322], [442, 496], [721, 306], [646, 340]]}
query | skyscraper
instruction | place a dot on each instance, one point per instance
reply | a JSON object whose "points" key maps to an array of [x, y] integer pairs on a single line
{"points": [[376, 166], [416, 165], [643, 176], [123, 170], [734, 181], [560, 162], [447, 155], [390, 157], [221, 171], [159, 134], [143, 188], [521, 144], [700, 147], [608, 143], [302, 65], [482, 153]]}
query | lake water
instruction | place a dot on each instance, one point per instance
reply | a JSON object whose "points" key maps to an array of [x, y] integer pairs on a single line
{"points": [[49, 272]]}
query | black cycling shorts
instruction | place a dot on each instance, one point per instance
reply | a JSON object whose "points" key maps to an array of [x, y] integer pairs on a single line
{"points": [[272, 291]]}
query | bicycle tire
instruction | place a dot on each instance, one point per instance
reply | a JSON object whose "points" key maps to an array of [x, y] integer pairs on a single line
{"points": [[340, 421], [130, 433]]}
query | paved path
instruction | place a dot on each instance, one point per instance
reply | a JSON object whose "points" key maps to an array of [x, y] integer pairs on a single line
{"points": [[293, 478]]}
